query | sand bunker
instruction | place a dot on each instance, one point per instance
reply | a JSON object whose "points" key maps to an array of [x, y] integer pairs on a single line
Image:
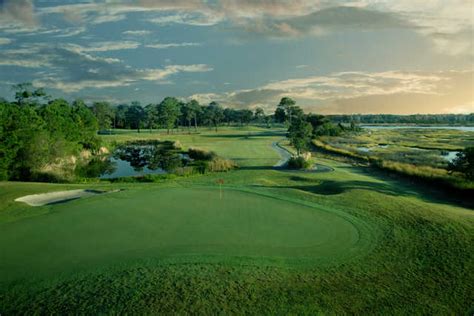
{"points": [[57, 197]]}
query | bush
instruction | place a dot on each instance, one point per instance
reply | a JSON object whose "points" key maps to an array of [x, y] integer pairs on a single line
{"points": [[200, 154], [184, 171], [215, 165], [220, 164], [298, 163]]}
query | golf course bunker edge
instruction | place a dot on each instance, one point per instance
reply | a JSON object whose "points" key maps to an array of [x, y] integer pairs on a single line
{"points": [[58, 196]]}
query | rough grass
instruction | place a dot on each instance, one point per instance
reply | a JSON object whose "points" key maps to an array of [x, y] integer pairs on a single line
{"points": [[422, 261]]}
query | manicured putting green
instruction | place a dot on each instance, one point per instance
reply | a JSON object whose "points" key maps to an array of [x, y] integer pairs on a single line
{"points": [[176, 224]]}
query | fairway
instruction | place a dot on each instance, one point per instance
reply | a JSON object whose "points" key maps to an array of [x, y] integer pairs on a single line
{"points": [[189, 224]]}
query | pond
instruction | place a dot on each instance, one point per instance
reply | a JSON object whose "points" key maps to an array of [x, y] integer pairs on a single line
{"points": [[364, 149], [450, 155], [136, 159]]}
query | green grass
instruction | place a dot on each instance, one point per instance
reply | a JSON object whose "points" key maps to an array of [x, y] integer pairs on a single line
{"points": [[188, 224], [187, 251]]}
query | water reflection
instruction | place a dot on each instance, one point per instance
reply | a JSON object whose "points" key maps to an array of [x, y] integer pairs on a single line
{"points": [[136, 159]]}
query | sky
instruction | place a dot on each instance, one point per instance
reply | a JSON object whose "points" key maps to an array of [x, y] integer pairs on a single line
{"points": [[330, 56]]}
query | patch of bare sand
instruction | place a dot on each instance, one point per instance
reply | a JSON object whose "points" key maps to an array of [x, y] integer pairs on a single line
{"points": [[58, 197]]}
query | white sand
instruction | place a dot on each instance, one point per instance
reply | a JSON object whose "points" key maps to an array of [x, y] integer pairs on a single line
{"points": [[55, 197]]}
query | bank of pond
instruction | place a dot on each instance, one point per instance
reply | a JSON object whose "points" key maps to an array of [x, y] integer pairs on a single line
{"points": [[142, 158]]}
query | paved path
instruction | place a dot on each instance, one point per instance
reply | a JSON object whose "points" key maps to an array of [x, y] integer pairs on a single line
{"points": [[285, 155]]}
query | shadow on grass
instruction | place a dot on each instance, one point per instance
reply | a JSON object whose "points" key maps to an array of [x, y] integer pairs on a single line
{"points": [[246, 135], [257, 168], [330, 187], [391, 185]]}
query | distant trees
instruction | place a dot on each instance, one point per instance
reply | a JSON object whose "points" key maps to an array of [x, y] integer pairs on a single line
{"points": [[448, 119], [104, 114], [214, 114], [246, 116], [135, 115], [151, 116], [172, 113], [464, 163], [168, 112], [259, 115], [190, 112]]}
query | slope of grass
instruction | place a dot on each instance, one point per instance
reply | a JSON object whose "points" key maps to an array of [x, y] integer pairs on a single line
{"points": [[420, 260]]}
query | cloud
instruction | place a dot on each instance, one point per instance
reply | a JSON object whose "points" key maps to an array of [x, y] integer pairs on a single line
{"points": [[320, 21], [17, 11], [449, 25], [73, 70], [195, 18], [104, 46], [171, 45], [5, 41], [137, 32], [25, 57], [361, 92], [109, 19]]}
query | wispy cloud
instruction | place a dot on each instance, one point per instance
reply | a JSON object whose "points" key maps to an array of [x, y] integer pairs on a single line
{"points": [[104, 46], [171, 45], [137, 32], [5, 41]]}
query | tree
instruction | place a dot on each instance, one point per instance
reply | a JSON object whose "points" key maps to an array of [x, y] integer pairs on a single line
{"points": [[25, 94], [18, 127], [135, 115], [464, 163], [195, 109], [86, 123], [299, 133], [120, 116], [259, 115], [280, 115], [104, 114], [215, 114], [151, 116], [168, 112], [287, 104], [230, 115], [189, 112], [246, 116]]}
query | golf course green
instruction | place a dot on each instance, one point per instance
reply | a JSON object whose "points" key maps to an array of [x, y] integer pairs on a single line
{"points": [[259, 240], [159, 223]]}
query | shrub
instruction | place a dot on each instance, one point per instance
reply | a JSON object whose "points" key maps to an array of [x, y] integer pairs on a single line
{"points": [[464, 163], [220, 164], [217, 164], [200, 154], [298, 162], [184, 171]]}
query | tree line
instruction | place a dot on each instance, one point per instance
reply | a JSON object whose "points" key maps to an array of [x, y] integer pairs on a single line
{"points": [[448, 119], [172, 113]]}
